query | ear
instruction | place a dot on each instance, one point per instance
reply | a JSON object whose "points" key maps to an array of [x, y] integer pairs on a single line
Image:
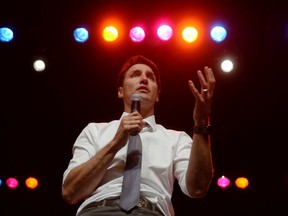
{"points": [[157, 98], [120, 92]]}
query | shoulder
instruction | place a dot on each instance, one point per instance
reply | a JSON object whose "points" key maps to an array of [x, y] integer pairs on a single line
{"points": [[93, 129], [171, 131], [100, 125]]}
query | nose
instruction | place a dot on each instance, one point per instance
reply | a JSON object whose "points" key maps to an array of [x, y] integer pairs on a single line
{"points": [[144, 78]]}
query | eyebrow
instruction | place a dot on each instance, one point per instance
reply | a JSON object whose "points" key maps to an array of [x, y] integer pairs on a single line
{"points": [[139, 70]]}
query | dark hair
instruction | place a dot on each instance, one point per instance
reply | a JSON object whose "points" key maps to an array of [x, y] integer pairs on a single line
{"points": [[138, 59]]}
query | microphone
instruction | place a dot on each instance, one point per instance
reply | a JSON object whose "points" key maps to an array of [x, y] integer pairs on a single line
{"points": [[135, 106], [135, 102]]}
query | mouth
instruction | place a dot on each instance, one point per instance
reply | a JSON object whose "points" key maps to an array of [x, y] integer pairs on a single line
{"points": [[143, 89]]}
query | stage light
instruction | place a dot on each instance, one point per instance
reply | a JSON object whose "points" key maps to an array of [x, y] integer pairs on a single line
{"points": [[110, 33], [137, 34], [223, 182], [227, 66], [81, 35], [31, 182], [189, 34], [6, 34], [242, 182], [39, 65], [218, 33], [12, 183], [164, 32], [0, 182]]}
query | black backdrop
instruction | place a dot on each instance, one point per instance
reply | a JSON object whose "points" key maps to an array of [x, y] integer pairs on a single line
{"points": [[43, 113]]}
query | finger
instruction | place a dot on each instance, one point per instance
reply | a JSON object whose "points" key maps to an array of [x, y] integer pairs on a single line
{"points": [[210, 78], [193, 88], [209, 74], [202, 78]]}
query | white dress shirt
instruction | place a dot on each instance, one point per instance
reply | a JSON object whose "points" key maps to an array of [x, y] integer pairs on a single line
{"points": [[165, 155]]}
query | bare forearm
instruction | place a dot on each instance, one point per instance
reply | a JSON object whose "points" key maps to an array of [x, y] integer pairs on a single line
{"points": [[200, 168], [84, 179]]}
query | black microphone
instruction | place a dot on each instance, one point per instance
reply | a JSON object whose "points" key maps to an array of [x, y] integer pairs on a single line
{"points": [[135, 106]]}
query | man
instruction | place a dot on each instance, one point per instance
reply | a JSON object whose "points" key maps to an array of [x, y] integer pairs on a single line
{"points": [[95, 172]]}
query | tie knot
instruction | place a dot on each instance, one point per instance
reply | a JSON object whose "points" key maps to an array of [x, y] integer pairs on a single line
{"points": [[146, 127]]}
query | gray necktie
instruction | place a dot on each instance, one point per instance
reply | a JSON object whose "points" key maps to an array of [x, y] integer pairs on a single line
{"points": [[131, 181]]}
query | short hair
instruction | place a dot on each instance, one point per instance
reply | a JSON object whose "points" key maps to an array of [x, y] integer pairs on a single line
{"points": [[138, 59]]}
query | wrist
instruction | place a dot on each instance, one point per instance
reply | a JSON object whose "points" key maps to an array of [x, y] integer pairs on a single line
{"points": [[202, 130]]}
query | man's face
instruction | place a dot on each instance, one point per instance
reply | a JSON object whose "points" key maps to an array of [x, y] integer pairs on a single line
{"points": [[140, 79]]}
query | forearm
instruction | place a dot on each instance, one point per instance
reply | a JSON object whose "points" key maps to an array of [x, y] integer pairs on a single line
{"points": [[200, 168], [84, 179]]}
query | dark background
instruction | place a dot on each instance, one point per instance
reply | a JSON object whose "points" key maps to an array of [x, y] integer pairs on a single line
{"points": [[43, 113]]}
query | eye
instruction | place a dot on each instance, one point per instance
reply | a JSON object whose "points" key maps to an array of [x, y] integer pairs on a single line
{"points": [[151, 76], [135, 74]]}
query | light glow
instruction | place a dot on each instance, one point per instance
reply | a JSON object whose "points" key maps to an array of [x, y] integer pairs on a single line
{"points": [[242, 182], [223, 182], [189, 34], [12, 183], [110, 33], [218, 33], [39, 65], [227, 66], [6, 34], [81, 35], [31, 182], [137, 34], [164, 32]]}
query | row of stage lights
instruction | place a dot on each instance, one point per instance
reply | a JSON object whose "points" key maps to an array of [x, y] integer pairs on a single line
{"points": [[110, 33], [32, 182], [13, 183]]}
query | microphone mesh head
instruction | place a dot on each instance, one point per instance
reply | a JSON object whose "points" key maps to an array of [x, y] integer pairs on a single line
{"points": [[136, 97]]}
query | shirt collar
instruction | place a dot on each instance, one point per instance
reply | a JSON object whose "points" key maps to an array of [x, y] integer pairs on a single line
{"points": [[150, 121]]}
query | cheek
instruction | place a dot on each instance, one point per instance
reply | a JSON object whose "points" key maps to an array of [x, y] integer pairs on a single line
{"points": [[128, 86], [156, 93]]}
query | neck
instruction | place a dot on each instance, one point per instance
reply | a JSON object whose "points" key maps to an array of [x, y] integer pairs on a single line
{"points": [[143, 112]]}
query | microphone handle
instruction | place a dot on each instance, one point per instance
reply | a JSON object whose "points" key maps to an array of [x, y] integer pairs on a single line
{"points": [[135, 106]]}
